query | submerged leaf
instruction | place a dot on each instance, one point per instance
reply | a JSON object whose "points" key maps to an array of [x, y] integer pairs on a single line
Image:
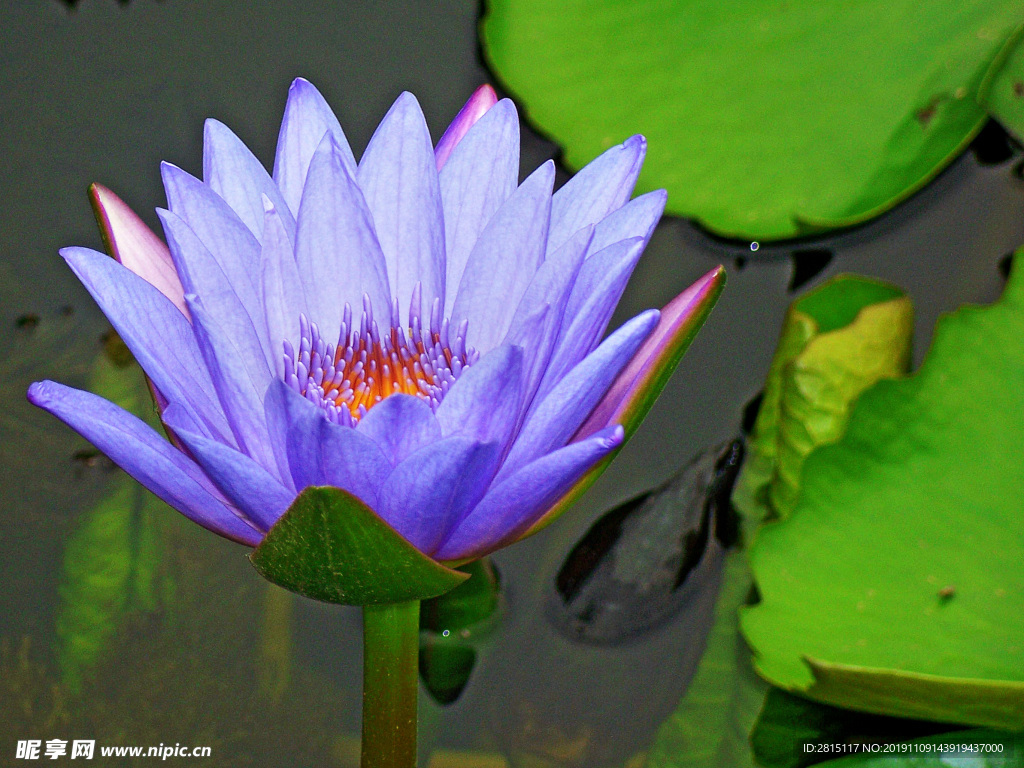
{"points": [[897, 584], [710, 728], [450, 627], [109, 569], [112, 559], [633, 569]]}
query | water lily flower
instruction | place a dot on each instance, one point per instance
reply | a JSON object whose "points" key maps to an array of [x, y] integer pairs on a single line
{"points": [[418, 328]]}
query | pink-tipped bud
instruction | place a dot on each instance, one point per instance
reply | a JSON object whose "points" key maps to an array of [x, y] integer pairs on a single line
{"points": [[135, 245], [638, 385], [483, 99]]}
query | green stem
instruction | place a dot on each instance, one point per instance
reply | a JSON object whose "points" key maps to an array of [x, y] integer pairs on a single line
{"points": [[390, 659]]}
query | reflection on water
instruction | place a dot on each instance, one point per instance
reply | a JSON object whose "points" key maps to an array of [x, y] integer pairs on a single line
{"points": [[143, 629]]}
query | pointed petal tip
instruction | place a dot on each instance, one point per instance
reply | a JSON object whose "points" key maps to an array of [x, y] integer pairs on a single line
{"points": [[476, 106], [406, 100], [101, 195], [712, 280], [133, 244], [169, 172], [69, 253], [485, 95]]}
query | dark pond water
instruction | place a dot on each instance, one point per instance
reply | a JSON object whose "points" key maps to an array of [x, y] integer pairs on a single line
{"points": [[175, 636]]}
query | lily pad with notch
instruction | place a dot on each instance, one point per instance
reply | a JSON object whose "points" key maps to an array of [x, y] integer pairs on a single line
{"points": [[765, 121]]}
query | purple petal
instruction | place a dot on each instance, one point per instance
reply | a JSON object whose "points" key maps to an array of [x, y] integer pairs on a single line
{"points": [[218, 227], [316, 452], [561, 413], [485, 401], [640, 383], [435, 486], [157, 334], [352, 462], [283, 298], [550, 288], [245, 483], [202, 275], [307, 119], [637, 218], [481, 174], [479, 103], [593, 275], [400, 425], [511, 507], [135, 245], [240, 383], [504, 261], [234, 173], [398, 177], [337, 252], [601, 187], [144, 455], [597, 290]]}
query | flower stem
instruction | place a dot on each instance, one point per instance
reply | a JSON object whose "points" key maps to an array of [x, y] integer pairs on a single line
{"points": [[390, 659]]}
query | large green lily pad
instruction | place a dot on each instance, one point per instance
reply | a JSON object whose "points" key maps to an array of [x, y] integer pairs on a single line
{"points": [[765, 119], [897, 584], [330, 546]]}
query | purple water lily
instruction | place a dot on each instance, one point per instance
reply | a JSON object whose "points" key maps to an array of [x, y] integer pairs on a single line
{"points": [[417, 328]]}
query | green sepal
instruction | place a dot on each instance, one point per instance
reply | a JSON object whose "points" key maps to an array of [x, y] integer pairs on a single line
{"points": [[330, 546]]}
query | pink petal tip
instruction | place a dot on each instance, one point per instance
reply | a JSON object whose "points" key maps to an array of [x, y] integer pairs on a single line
{"points": [[483, 99], [135, 245]]}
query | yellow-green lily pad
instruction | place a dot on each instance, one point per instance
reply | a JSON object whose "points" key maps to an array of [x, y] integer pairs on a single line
{"points": [[836, 341]]}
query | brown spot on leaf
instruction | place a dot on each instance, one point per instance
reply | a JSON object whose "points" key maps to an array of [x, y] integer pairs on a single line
{"points": [[926, 113]]}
